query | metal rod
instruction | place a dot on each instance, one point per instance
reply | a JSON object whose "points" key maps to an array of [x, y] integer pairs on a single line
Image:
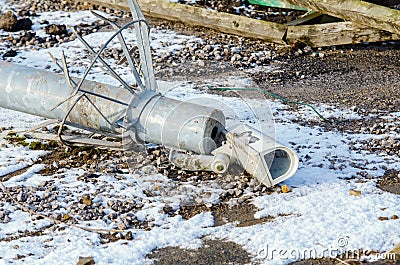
{"points": [[101, 50], [142, 35], [104, 63], [125, 50]]}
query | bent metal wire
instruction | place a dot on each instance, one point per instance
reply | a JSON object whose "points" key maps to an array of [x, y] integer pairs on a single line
{"points": [[145, 82]]}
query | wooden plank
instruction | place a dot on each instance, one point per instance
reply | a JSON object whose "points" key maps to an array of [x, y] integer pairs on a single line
{"points": [[276, 3], [339, 33], [372, 15], [308, 17], [224, 22], [319, 35]]}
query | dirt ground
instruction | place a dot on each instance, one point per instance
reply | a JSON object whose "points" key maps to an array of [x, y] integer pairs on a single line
{"points": [[364, 78]]}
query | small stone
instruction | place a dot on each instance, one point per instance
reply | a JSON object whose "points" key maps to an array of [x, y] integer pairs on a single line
{"points": [[129, 236], [53, 29], [355, 192], [229, 186], [238, 192], [307, 49], [8, 21], [157, 187], [85, 261], [9, 53], [23, 24], [121, 226], [383, 218], [86, 200], [42, 184], [65, 217], [167, 209], [394, 217], [208, 48]]}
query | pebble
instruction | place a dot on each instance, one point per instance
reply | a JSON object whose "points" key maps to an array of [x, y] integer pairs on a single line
{"points": [[85, 261], [355, 192], [121, 226]]}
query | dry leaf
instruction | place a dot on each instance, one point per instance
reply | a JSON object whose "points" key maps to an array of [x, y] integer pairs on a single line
{"points": [[285, 189]]}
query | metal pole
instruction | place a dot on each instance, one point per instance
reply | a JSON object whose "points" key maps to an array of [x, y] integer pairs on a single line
{"points": [[157, 119], [37, 92]]}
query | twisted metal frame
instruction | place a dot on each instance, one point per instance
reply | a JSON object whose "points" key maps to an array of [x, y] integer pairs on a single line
{"points": [[143, 71]]}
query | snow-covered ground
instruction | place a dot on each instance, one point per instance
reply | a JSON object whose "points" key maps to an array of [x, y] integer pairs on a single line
{"points": [[318, 213]]}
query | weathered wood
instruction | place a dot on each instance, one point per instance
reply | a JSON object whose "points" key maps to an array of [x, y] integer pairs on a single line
{"points": [[313, 18], [308, 17], [339, 33], [314, 35], [224, 22], [361, 12]]}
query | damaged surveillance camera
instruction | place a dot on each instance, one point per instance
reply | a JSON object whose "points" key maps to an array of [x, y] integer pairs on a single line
{"points": [[139, 114], [260, 155]]}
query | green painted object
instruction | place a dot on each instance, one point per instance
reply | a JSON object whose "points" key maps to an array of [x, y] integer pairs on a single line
{"points": [[276, 3]]}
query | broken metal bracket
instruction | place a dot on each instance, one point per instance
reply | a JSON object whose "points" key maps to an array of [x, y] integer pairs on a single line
{"points": [[260, 155]]}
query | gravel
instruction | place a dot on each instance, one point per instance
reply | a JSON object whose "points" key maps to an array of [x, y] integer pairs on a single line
{"points": [[217, 52], [304, 74], [211, 252], [363, 78]]}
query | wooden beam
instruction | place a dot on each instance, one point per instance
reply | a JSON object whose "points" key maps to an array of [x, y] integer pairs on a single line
{"points": [[197, 16], [363, 13], [310, 16], [339, 33], [318, 35], [313, 18]]}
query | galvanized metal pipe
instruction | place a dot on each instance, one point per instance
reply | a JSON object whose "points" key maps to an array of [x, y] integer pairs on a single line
{"points": [[183, 125], [162, 120], [37, 92]]}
